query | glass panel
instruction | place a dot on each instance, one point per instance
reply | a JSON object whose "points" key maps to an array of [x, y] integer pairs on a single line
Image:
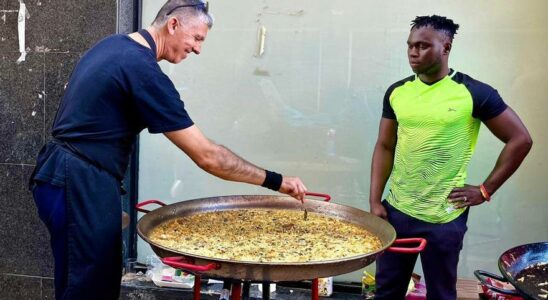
{"points": [[311, 103]]}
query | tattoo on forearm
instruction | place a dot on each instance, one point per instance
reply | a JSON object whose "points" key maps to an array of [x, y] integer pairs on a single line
{"points": [[235, 167]]}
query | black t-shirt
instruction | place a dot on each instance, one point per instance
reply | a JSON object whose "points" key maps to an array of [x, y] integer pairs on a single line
{"points": [[116, 90]]}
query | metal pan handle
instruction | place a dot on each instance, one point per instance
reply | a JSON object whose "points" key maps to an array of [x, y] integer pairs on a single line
{"points": [[180, 262], [419, 248], [139, 205], [480, 275], [326, 197]]}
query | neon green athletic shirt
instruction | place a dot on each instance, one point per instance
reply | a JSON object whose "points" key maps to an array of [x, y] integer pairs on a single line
{"points": [[438, 126]]}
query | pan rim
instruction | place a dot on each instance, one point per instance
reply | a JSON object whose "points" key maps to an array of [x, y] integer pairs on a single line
{"points": [[227, 261]]}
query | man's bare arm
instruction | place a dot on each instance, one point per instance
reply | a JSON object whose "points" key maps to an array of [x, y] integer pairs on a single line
{"points": [[508, 128], [382, 163]]}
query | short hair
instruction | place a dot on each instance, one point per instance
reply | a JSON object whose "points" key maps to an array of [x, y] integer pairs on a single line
{"points": [[439, 23], [183, 10]]}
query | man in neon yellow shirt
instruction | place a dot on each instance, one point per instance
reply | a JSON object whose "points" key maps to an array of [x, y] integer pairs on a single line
{"points": [[427, 135]]}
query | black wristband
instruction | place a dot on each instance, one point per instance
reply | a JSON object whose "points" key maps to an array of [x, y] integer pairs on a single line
{"points": [[272, 180]]}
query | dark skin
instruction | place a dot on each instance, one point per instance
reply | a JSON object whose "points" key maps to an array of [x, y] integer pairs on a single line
{"points": [[428, 53]]}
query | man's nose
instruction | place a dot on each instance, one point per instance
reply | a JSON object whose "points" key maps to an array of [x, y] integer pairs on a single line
{"points": [[413, 52], [197, 49]]}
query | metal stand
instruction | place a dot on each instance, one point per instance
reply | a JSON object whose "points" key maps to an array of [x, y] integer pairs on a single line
{"points": [[245, 290], [315, 289], [266, 290], [237, 293], [197, 287]]}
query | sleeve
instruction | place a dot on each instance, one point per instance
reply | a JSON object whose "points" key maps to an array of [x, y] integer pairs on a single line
{"points": [[487, 102], [387, 110], [156, 99]]}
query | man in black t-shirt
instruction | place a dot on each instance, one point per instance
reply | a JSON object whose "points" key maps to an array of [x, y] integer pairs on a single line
{"points": [[116, 90]]}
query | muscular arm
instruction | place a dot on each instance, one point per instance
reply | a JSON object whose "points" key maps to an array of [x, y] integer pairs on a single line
{"points": [[221, 162], [508, 128], [381, 164]]}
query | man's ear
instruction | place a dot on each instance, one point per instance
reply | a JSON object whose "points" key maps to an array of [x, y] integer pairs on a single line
{"points": [[447, 48], [172, 24]]}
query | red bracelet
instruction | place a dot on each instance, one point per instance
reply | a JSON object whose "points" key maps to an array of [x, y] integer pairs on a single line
{"points": [[484, 193]]}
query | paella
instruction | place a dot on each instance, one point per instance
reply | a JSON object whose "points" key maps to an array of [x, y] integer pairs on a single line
{"points": [[265, 235]]}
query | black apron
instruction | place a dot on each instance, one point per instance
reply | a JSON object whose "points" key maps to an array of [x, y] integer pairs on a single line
{"points": [[92, 254]]}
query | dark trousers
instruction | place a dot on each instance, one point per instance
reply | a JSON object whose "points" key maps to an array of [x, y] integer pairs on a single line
{"points": [[439, 259], [84, 221]]}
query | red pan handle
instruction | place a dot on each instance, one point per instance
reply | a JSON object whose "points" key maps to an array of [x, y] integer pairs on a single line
{"points": [[180, 262], [326, 196], [481, 275], [139, 205], [419, 248]]}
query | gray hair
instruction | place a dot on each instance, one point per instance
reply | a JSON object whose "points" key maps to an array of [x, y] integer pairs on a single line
{"points": [[183, 14]]}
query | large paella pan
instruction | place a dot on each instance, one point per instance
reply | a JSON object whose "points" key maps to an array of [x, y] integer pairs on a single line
{"points": [[216, 267]]}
